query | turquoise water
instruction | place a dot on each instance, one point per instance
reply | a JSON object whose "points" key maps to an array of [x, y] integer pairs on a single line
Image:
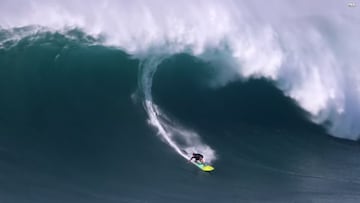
{"points": [[74, 129]]}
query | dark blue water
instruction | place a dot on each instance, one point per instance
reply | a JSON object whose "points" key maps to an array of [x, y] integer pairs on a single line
{"points": [[71, 130]]}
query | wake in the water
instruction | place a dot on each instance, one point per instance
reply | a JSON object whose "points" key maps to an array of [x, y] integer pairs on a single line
{"points": [[182, 140]]}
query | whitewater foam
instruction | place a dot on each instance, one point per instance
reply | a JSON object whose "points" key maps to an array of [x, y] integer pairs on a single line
{"points": [[308, 48]]}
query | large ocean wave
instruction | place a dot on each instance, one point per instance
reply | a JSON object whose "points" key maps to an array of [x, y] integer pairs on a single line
{"points": [[307, 48]]}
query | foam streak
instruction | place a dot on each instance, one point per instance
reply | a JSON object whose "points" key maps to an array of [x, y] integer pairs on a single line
{"points": [[183, 141]]}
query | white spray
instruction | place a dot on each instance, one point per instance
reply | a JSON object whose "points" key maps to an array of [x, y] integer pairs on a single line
{"points": [[309, 48]]}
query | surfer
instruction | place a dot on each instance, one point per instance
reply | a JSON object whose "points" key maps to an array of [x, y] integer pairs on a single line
{"points": [[198, 158]]}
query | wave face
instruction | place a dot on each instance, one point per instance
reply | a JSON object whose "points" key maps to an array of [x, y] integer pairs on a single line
{"points": [[306, 48], [73, 129]]}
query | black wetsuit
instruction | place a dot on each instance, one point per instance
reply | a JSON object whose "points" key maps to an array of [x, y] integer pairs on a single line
{"points": [[197, 157]]}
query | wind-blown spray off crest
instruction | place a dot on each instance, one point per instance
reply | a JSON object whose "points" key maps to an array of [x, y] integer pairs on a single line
{"points": [[308, 48]]}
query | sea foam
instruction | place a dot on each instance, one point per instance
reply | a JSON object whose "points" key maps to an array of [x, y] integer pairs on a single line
{"points": [[309, 49]]}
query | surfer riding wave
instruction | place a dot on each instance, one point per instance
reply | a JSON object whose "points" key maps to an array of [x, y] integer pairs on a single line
{"points": [[199, 158]]}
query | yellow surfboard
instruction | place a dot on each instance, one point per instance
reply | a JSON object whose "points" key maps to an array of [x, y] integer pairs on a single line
{"points": [[204, 167]]}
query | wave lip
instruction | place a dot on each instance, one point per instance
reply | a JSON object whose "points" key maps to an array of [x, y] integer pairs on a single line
{"points": [[307, 49]]}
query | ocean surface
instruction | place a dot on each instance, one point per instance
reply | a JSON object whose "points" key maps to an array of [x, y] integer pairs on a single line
{"points": [[106, 111]]}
